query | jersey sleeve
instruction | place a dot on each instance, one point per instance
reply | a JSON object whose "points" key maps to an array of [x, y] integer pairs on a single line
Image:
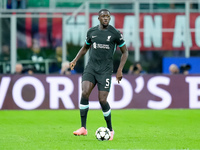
{"points": [[88, 38], [119, 39]]}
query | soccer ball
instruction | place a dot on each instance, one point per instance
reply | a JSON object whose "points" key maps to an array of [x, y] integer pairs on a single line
{"points": [[103, 134]]}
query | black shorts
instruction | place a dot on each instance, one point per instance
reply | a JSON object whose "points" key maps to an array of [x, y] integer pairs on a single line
{"points": [[103, 81]]}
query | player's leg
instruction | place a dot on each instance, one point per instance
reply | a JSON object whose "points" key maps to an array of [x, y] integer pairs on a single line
{"points": [[104, 88], [106, 110], [88, 84], [87, 88]]}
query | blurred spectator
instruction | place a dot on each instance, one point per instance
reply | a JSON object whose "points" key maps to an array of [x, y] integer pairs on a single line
{"points": [[173, 69], [9, 4], [59, 54], [37, 56], [5, 54], [5, 59], [21, 4], [55, 66], [194, 5], [30, 69], [36, 51], [181, 5], [184, 69], [18, 69], [30, 72], [65, 69], [136, 69]]}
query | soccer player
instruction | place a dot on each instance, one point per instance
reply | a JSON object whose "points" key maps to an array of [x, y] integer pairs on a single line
{"points": [[102, 41]]}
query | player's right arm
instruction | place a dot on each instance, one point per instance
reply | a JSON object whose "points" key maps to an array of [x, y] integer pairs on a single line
{"points": [[83, 50], [81, 53]]}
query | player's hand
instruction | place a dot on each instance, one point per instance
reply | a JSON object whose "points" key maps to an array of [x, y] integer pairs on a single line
{"points": [[119, 75], [72, 65]]}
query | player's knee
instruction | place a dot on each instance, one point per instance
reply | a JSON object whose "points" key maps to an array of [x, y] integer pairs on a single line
{"points": [[103, 97], [85, 94]]}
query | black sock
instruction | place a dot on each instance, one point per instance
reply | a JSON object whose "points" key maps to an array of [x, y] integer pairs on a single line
{"points": [[84, 107], [107, 115]]}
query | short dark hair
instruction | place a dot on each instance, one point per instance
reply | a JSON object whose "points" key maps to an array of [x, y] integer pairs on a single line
{"points": [[103, 10]]}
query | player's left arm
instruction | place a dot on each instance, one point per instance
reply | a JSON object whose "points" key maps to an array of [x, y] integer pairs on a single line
{"points": [[124, 57]]}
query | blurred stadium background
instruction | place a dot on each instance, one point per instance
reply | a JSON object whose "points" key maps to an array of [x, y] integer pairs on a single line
{"points": [[44, 33]]}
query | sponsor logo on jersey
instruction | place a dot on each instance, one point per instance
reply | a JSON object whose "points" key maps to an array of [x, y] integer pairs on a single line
{"points": [[100, 46], [95, 45]]}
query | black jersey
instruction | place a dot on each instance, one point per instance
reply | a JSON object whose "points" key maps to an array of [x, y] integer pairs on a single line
{"points": [[103, 45]]}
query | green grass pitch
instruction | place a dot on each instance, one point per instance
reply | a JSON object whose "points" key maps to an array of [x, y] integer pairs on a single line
{"points": [[134, 129]]}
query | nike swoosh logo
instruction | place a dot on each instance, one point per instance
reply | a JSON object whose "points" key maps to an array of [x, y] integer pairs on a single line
{"points": [[94, 36]]}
